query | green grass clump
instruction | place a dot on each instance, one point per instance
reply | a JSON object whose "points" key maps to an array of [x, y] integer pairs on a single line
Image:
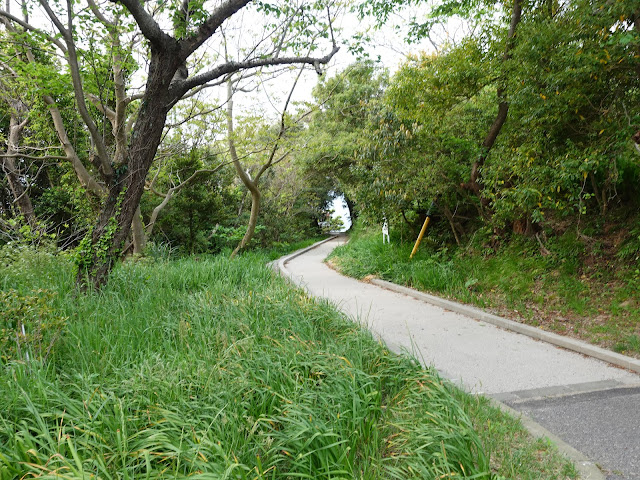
{"points": [[210, 368]]}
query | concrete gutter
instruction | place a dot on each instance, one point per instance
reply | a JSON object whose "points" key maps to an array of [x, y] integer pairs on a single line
{"points": [[549, 337], [279, 265]]}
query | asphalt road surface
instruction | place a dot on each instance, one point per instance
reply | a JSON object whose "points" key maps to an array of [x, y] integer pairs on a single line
{"points": [[604, 425], [591, 405]]}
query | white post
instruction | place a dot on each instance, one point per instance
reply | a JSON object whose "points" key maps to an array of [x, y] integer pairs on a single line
{"points": [[385, 232]]}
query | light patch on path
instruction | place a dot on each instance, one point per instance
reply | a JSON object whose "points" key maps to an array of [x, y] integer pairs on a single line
{"points": [[479, 356]]}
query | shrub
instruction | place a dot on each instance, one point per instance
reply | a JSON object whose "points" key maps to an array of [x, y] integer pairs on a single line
{"points": [[29, 327]]}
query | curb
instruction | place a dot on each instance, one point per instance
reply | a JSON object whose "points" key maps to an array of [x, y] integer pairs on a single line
{"points": [[549, 337], [587, 469], [279, 265]]}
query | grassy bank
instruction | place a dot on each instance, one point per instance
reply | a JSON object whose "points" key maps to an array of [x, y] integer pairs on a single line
{"points": [[568, 289], [210, 368]]}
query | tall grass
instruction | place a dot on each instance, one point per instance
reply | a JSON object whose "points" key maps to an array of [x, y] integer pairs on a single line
{"points": [[210, 368], [436, 271]]}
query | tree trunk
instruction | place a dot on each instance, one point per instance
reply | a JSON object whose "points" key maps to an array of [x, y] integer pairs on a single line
{"points": [[156, 212], [85, 178], [503, 110], [9, 165], [125, 176], [449, 215], [252, 185], [636, 24], [415, 229], [123, 200], [139, 237], [253, 221], [353, 215]]}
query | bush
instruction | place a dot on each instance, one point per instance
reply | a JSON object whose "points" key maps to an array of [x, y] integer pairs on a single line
{"points": [[29, 327]]}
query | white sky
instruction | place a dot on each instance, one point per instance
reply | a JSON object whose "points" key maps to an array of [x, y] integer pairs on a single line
{"points": [[341, 211]]}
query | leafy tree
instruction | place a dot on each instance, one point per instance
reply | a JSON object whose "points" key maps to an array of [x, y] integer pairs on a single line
{"points": [[337, 127], [124, 162], [189, 221], [532, 114]]}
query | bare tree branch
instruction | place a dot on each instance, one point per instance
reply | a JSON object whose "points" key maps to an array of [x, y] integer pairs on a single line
{"points": [[281, 131], [33, 157], [72, 60], [98, 103], [56, 21], [174, 190], [98, 14], [132, 98], [215, 20], [191, 116], [233, 67], [86, 180], [149, 27], [31, 28], [120, 117]]}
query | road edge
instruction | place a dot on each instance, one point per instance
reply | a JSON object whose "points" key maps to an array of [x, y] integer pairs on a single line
{"points": [[279, 265], [536, 333], [587, 469]]}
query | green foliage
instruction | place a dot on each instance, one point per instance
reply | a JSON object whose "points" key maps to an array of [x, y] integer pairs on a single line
{"points": [[91, 254], [30, 321], [211, 367], [228, 237], [18, 233], [29, 327], [337, 131], [187, 17], [630, 250], [567, 147], [628, 345], [198, 216], [68, 211], [333, 224], [433, 270], [571, 84]]}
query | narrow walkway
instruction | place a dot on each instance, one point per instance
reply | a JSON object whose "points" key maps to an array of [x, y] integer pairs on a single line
{"points": [[485, 359]]}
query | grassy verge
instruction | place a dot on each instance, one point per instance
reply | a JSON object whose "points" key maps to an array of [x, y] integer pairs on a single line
{"points": [[567, 292], [210, 368]]}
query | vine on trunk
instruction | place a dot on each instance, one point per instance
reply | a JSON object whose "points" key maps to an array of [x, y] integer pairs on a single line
{"points": [[89, 256]]}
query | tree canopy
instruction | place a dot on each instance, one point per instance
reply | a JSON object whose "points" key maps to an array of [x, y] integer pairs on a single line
{"points": [[532, 115], [111, 136]]}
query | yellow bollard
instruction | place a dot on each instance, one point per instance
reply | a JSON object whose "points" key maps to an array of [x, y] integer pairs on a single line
{"points": [[422, 232]]}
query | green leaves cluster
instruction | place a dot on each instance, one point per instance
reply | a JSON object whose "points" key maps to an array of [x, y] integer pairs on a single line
{"points": [[90, 255], [571, 82], [29, 325]]}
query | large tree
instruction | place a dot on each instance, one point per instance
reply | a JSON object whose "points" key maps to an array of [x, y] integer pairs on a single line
{"points": [[137, 118]]}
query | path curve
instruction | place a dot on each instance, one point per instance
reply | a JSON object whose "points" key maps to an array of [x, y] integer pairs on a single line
{"points": [[476, 355]]}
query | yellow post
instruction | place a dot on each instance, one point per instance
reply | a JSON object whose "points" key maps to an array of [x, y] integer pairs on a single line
{"points": [[424, 229]]}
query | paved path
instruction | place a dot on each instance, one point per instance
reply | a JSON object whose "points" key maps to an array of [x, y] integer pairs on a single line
{"points": [[485, 359]]}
